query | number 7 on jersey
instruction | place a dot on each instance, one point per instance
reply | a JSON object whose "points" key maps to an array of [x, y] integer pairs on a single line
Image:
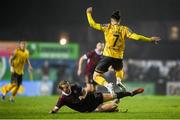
{"points": [[117, 37]]}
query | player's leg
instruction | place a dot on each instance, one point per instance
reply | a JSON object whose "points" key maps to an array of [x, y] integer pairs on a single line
{"points": [[14, 92], [99, 79], [6, 88], [98, 75], [108, 97], [118, 67], [119, 78], [89, 85], [119, 95], [133, 93], [112, 106], [95, 102], [9, 87], [92, 83], [107, 107]]}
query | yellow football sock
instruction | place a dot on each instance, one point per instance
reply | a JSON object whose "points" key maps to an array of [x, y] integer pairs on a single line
{"points": [[14, 92], [120, 74], [99, 79], [20, 90], [3, 90], [7, 88]]}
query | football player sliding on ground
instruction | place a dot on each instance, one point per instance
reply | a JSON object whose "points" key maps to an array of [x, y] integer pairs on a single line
{"points": [[115, 35], [81, 100]]}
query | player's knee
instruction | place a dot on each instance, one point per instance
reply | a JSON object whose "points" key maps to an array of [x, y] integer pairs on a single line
{"points": [[99, 78], [111, 106], [114, 105], [95, 75]]}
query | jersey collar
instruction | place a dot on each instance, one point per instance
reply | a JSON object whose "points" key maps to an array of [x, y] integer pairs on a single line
{"points": [[97, 52], [66, 93]]}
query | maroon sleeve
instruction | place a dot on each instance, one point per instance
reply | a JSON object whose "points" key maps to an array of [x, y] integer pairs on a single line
{"points": [[90, 54], [60, 102]]}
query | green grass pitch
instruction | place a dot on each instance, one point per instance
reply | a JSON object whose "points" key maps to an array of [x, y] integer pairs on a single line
{"points": [[139, 107]]}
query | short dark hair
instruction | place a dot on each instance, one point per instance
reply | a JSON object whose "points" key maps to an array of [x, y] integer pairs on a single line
{"points": [[61, 83], [116, 15], [22, 41]]}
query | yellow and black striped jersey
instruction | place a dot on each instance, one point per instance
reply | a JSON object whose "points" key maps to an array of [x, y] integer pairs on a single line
{"points": [[20, 57], [115, 37]]}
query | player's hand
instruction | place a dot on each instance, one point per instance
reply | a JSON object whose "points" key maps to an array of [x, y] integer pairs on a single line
{"points": [[54, 110], [81, 97], [84, 93], [155, 40], [30, 68], [79, 72], [89, 10], [12, 69]]}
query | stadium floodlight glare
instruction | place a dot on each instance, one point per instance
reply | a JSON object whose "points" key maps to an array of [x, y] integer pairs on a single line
{"points": [[63, 41]]}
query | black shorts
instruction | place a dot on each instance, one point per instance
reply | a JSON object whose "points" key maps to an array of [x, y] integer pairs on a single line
{"points": [[92, 101], [106, 62], [17, 79]]}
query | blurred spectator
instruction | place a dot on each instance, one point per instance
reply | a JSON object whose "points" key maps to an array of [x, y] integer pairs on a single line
{"points": [[174, 33], [45, 87], [45, 71], [153, 74], [152, 70], [134, 71], [174, 73]]}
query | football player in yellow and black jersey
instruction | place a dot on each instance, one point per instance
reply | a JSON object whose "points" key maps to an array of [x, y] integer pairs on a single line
{"points": [[115, 35], [17, 61]]}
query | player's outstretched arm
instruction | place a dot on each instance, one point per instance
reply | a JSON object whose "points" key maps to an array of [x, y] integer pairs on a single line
{"points": [[29, 65], [11, 58], [91, 21], [79, 71], [54, 110], [153, 39], [58, 105]]}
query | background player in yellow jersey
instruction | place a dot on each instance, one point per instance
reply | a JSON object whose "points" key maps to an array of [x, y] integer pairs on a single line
{"points": [[17, 61], [115, 35]]}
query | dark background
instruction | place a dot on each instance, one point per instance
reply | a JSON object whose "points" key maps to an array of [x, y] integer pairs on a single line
{"points": [[47, 20]]}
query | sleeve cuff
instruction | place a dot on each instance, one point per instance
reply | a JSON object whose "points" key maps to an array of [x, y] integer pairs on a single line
{"points": [[56, 107]]}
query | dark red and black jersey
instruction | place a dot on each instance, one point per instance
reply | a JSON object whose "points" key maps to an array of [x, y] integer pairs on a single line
{"points": [[90, 103], [72, 99], [93, 59]]}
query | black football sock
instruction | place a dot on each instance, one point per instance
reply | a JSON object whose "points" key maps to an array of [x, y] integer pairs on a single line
{"points": [[123, 94]]}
